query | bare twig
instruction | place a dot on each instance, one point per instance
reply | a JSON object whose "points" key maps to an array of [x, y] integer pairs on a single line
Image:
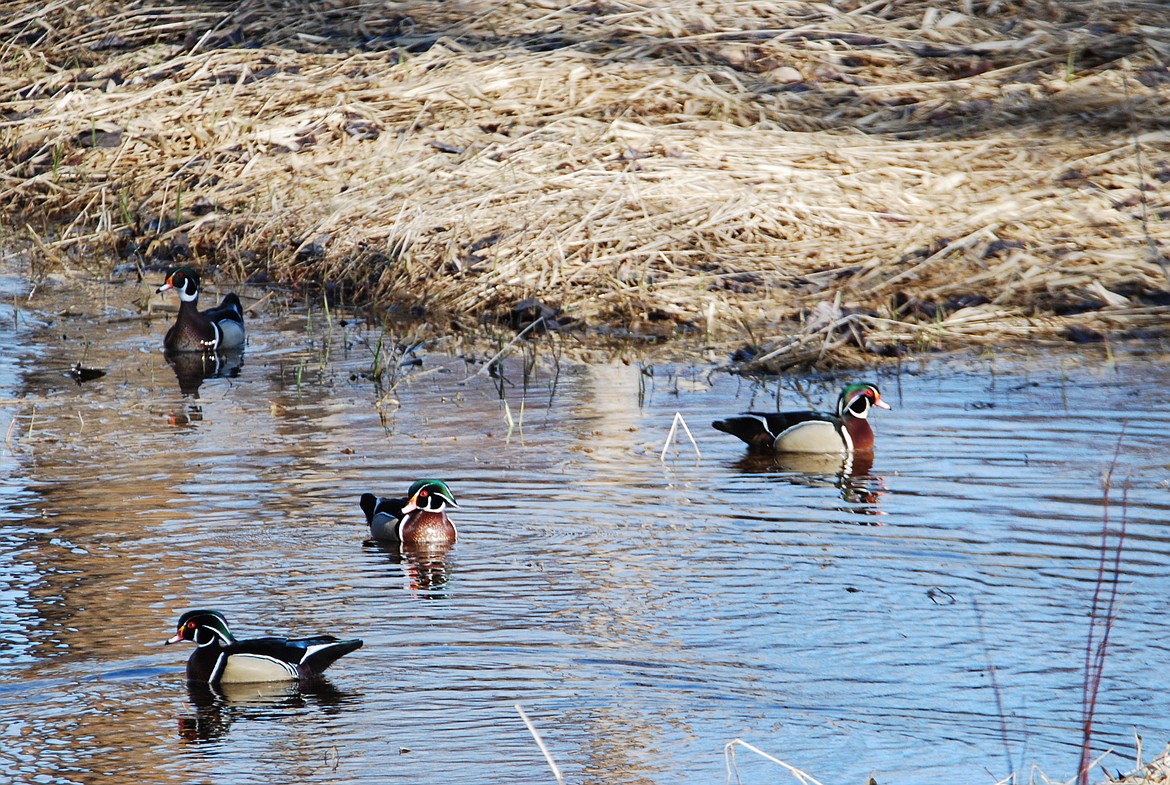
{"points": [[991, 671], [675, 423], [540, 743], [729, 761], [487, 366], [1101, 615]]}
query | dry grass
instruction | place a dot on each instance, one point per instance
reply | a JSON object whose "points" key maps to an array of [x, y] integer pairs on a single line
{"points": [[824, 180], [1157, 772]]}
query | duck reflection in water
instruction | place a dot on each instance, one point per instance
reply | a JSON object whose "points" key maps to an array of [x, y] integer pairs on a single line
{"points": [[424, 566], [850, 473], [191, 368], [217, 706]]}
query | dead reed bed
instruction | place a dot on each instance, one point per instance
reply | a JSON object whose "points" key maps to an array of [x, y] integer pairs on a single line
{"points": [[813, 182], [1156, 772]]}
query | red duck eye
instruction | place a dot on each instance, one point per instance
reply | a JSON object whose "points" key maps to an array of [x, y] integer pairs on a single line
{"points": [[422, 494], [190, 625]]}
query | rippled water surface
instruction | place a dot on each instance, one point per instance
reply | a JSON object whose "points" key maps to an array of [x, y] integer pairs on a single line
{"points": [[923, 619]]}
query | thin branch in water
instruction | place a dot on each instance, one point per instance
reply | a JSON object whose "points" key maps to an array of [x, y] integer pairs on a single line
{"points": [[540, 743], [678, 420], [514, 423], [501, 352], [729, 761], [1003, 729], [8, 437], [1096, 646]]}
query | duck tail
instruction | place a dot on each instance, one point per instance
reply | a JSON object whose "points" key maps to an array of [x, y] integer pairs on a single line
{"points": [[749, 428], [320, 656]]}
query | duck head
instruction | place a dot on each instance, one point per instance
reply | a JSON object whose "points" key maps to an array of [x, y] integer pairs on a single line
{"points": [[429, 496], [202, 628], [856, 399], [185, 281]]}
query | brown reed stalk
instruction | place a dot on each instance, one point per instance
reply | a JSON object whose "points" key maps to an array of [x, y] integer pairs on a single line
{"points": [[1102, 614]]}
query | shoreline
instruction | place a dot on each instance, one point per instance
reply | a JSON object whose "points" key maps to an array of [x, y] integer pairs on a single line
{"points": [[805, 187]]}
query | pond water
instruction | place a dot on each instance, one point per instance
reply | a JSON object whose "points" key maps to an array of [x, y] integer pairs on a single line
{"points": [[923, 619]]}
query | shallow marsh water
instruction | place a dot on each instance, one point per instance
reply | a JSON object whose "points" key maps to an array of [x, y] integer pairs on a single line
{"points": [[923, 620]]}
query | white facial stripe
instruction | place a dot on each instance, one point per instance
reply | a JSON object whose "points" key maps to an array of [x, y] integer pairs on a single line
{"points": [[217, 671], [215, 634], [764, 422], [861, 397]]}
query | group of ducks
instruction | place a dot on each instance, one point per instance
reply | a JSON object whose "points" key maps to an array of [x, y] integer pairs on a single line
{"points": [[420, 518]]}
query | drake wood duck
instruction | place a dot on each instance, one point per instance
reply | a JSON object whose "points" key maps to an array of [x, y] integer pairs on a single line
{"points": [[421, 517], [220, 658], [811, 432], [213, 330]]}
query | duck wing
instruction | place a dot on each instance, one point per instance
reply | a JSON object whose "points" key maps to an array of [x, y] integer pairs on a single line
{"points": [[277, 659], [760, 429]]}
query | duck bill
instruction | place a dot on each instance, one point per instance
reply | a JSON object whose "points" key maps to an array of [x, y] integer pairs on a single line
{"points": [[411, 505], [881, 404], [178, 638], [167, 286]]}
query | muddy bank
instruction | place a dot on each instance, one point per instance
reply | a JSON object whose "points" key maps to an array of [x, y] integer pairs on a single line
{"points": [[797, 183]]}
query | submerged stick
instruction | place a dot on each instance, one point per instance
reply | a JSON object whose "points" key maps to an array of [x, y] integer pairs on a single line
{"points": [[501, 352], [729, 760], [540, 743]]}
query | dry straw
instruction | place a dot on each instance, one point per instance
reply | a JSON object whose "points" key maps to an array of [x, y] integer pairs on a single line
{"points": [[1156, 772], [822, 180]]}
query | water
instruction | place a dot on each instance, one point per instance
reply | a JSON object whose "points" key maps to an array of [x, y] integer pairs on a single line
{"points": [[923, 621]]}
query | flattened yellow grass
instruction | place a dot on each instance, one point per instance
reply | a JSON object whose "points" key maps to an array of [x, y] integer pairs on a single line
{"points": [[799, 172]]}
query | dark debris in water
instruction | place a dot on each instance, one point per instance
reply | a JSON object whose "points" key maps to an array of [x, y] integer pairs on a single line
{"points": [[81, 374], [1078, 333], [746, 353], [526, 312], [940, 596]]}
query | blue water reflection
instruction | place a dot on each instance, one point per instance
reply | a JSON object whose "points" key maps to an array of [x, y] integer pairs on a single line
{"points": [[847, 618]]}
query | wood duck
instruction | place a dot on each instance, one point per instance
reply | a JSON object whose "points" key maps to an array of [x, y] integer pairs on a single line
{"points": [[421, 517], [811, 432], [213, 330], [220, 658]]}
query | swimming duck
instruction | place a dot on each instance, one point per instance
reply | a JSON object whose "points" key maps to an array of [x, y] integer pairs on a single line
{"points": [[812, 432], [220, 658], [421, 517], [213, 330]]}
